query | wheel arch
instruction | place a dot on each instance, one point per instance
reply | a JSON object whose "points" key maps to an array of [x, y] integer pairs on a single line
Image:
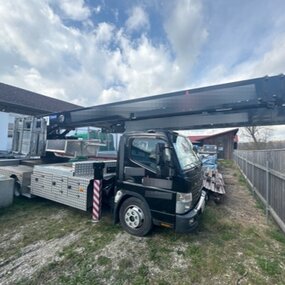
{"points": [[126, 195]]}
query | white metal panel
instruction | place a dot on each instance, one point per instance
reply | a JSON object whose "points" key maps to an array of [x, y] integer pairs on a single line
{"points": [[4, 121]]}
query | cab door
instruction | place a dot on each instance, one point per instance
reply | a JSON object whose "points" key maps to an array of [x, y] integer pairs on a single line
{"points": [[142, 175]]}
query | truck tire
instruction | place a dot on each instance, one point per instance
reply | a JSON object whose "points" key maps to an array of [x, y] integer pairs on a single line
{"points": [[135, 217], [17, 189], [17, 186]]}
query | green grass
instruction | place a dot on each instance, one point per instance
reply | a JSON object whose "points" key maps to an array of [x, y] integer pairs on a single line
{"points": [[277, 235], [269, 267], [220, 251], [103, 260], [242, 181], [226, 163], [210, 251]]}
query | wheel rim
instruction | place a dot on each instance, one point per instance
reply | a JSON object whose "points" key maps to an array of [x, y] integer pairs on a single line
{"points": [[134, 217]]}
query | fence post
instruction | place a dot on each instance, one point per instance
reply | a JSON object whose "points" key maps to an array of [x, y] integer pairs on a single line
{"points": [[97, 191], [267, 189], [253, 178], [246, 165]]}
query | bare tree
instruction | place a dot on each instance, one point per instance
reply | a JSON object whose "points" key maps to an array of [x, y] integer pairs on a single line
{"points": [[258, 134]]}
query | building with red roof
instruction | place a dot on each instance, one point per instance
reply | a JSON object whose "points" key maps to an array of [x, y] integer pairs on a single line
{"points": [[226, 142]]}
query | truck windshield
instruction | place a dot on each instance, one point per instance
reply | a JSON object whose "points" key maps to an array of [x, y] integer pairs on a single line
{"points": [[184, 150]]}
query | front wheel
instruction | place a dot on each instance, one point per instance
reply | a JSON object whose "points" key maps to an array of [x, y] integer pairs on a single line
{"points": [[135, 217]]}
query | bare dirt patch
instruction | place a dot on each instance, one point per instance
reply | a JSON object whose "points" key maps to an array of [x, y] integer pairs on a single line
{"points": [[32, 258], [239, 202]]}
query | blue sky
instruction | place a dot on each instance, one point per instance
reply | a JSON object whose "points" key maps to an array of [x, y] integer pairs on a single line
{"points": [[92, 52]]}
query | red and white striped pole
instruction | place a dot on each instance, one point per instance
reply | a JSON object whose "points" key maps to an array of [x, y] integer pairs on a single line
{"points": [[97, 191], [97, 201]]}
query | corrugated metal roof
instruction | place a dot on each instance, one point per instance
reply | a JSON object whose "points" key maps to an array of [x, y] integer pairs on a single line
{"points": [[18, 100], [202, 137]]}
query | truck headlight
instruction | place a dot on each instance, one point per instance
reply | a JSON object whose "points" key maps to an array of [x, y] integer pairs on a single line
{"points": [[183, 202]]}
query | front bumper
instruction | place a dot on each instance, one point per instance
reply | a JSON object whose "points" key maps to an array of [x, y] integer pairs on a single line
{"points": [[189, 221]]}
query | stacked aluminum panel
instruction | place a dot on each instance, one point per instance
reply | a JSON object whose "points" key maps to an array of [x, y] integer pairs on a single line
{"points": [[67, 183], [71, 191]]}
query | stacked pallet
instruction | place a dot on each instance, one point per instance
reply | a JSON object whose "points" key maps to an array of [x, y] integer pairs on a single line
{"points": [[213, 181]]}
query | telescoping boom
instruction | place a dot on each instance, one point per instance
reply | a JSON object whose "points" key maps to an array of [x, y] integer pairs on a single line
{"points": [[259, 101]]}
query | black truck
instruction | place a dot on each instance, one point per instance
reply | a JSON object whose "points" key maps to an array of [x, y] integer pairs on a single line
{"points": [[159, 181]]}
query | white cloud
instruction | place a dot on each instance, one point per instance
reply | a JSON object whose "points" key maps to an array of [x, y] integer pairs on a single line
{"points": [[76, 9], [81, 66], [186, 31], [104, 33], [31, 77], [272, 62], [137, 20], [97, 9], [278, 132]]}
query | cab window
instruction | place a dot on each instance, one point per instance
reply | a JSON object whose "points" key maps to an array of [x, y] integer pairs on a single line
{"points": [[143, 151]]}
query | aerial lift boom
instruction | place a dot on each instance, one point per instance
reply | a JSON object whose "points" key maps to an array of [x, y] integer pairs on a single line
{"points": [[259, 101]]}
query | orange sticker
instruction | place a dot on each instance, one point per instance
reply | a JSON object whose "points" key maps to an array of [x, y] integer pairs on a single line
{"points": [[81, 189]]}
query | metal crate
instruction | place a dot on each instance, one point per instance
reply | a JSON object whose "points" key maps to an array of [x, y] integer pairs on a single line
{"points": [[74, 148]]}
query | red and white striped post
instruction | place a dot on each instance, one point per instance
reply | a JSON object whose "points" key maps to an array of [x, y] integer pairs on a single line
{"points": [[97, 191]]}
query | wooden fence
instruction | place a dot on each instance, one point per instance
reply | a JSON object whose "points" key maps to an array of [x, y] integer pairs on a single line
{"points": [[265, 172]]}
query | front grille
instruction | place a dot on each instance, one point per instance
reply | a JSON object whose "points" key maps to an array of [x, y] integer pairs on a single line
{"points": [[196, 192], [196, 183]]}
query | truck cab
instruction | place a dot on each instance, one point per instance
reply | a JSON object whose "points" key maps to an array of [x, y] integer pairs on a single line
{"points": [[159, 181]]}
